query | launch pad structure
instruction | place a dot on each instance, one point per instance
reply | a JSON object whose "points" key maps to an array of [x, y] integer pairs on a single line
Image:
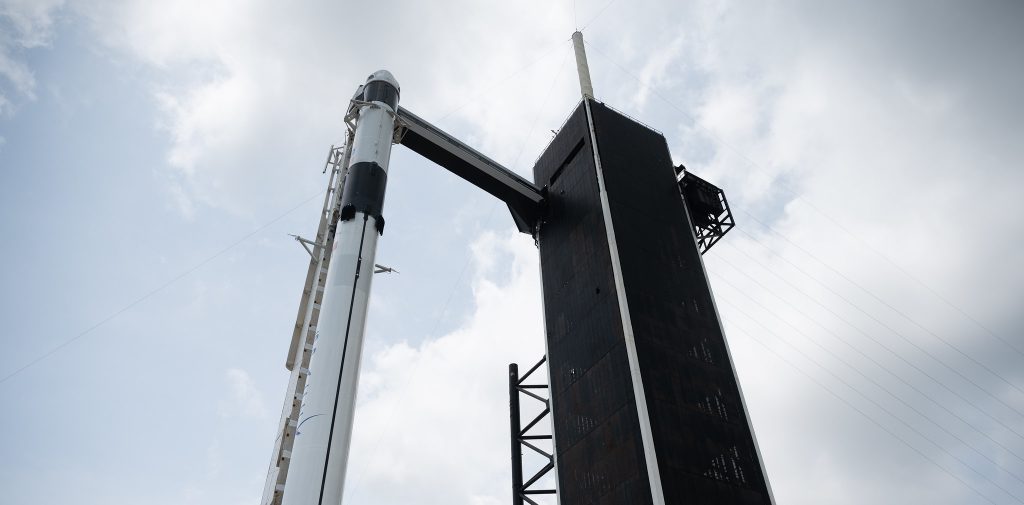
{"points": [[643, 400]]}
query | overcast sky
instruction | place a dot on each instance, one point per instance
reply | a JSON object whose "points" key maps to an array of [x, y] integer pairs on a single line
{"points": [[154, 157]]}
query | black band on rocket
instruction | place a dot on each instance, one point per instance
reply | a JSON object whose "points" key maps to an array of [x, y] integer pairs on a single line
{"points": [[381, 91], [364, 192]]}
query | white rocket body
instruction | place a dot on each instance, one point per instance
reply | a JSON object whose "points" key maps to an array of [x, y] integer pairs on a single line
{"points": [[320, 453]]}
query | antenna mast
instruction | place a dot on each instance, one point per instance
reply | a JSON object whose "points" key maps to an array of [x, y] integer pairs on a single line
{"points": [[581, 65]]}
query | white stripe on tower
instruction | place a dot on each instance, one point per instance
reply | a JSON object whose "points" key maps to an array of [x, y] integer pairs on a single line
{"points": [[646, 434]]}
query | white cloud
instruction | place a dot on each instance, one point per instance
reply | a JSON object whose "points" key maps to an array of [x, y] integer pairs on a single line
{"points": [[24, 24], [432, 420], [245, 399], [252, 92], [655, 72], [17, 74], [31, 20]]}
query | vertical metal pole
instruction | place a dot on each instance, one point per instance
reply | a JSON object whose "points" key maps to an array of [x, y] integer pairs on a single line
{"points": [[324, 432], [582, 68], [517, 449]]}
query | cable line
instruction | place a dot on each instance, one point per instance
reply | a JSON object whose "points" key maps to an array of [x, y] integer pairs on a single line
{"points": [[540, 111], [914, 278], [873, 381], [797, 196], [154, 291], [894, 309], [883, 367], [876, 404], [876, 341], [595, 16], [894, 331], [863, 414]]}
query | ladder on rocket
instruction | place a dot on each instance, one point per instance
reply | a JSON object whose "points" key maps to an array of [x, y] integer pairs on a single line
{"points": [[305, 331]]}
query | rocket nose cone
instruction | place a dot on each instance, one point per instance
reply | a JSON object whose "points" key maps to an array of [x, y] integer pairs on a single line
{"points": [[383, 75]]}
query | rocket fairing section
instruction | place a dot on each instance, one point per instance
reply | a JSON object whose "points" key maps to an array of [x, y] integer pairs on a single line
{"points": [[321, 447]]}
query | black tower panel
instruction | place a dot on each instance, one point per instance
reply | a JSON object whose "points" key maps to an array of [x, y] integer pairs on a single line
{"points": [[705, 450], [600, 457]]}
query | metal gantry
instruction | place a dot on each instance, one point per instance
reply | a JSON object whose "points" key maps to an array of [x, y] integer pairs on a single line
{"points": [[708, 208], [522, 437], [305, 331]]}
